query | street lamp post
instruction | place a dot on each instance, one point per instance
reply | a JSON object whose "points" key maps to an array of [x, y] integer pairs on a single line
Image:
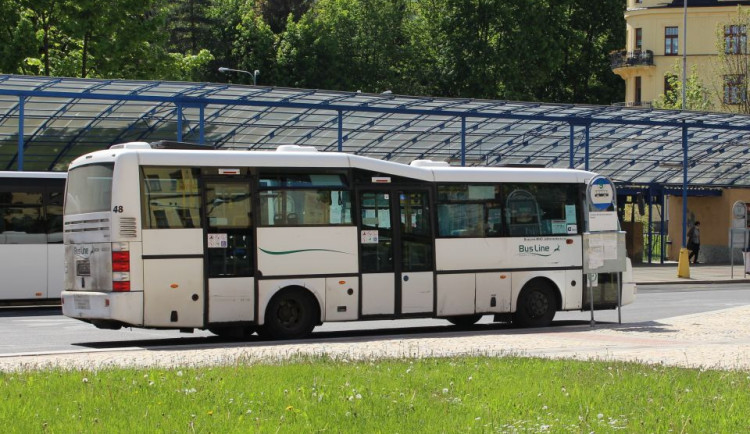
{"points": [[684, 55], [254, 74]]}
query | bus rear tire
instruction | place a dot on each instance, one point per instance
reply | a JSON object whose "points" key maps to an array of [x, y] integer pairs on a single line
{"points": [[235, 333], [464, 320], [291, 314], [537, 305]]}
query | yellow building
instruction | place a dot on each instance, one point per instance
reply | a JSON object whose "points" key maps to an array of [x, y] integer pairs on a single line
{"points": [[655, 41], [654, 49]]}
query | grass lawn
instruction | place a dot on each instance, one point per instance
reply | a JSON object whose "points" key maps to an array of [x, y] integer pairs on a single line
{"points": [[479, 394]]}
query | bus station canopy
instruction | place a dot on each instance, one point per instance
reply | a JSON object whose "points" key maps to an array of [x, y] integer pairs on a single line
{"points": [[46, 122]]}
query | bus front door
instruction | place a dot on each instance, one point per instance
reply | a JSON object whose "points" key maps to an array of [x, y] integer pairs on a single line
{"points": [[229, 250], [396, 252]]}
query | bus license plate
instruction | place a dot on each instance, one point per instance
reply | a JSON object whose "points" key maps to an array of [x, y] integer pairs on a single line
{"points": [[81, 302], [83, 268]]}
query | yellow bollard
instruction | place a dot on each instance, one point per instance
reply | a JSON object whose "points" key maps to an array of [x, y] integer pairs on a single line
{"points": [[683, 265]]}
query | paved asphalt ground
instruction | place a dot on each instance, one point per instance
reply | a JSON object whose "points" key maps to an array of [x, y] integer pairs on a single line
{"points": [[718, 339]]}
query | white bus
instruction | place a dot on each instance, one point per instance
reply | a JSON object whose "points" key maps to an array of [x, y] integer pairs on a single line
{"points": [[31, 240], [281, 241]]}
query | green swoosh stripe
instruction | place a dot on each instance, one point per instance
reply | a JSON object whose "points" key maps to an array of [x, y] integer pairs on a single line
{"points": [[289, 252]]}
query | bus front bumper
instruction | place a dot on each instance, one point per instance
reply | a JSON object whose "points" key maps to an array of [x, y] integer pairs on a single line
{"points": [[104, 309]]}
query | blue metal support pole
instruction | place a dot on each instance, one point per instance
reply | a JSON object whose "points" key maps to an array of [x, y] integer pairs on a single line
{"points": [[650, 225], [684, 184], [201, 124], [179, 122], [341, 131], [21, 101], [588, 126], [662, 241], [572, 146], [463, 141]]}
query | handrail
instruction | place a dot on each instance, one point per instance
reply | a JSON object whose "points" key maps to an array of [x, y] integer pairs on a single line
{"points": [[622, 58]]}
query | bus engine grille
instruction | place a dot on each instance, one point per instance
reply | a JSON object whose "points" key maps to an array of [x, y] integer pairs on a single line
{"points": [[128, 227]]}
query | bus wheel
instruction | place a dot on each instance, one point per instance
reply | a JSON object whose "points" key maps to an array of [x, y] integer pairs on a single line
{"points": [[536, 306], [464, 320], [291, 314], [238, 333]]}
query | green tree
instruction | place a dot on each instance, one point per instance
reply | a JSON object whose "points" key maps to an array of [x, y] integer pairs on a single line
{"points": [[189, 25], [504, 49], [276, 12], [588, 30], [17, 37], [347, 45], [460, 45], [732, 63], [254, 48], [697, 96], [44, 16]]}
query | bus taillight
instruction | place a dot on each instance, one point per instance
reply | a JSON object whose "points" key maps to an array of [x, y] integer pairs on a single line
{"points": [[120, 261], [120, 286], [120, 267]]}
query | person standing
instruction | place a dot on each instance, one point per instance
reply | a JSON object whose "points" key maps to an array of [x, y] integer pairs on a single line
{"points": [[694, 241]]}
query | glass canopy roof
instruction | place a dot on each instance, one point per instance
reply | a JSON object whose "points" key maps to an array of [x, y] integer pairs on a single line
{"points": [[62, 118]]}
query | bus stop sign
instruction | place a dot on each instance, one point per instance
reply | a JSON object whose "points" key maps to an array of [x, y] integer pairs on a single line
{"points": [[601, 194]]}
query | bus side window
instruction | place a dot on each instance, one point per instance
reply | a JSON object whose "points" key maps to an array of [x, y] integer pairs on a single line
{"points": [[558, 205], [469, 210], [171, 198], [523, 215]]}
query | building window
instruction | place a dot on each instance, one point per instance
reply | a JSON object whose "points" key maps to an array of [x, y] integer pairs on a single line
{"points": [[735, 39], [671, 41], [734, 89], [637, 101], [638, 39], [668, 79]]}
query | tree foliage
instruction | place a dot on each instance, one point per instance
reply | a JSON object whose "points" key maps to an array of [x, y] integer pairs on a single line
{"points": [[547, 50], [697, 96], [732, 64]]}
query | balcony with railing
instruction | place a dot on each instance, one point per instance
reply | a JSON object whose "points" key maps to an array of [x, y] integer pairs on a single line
{"points": [[626, 59], [634, 104]]}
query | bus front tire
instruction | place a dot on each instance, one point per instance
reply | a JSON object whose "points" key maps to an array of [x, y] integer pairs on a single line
{"points": [[536, 305], [291, 314], [464, 320]]}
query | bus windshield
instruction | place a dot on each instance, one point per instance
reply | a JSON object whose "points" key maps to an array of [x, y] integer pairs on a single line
{"points": [[89, 189]]}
